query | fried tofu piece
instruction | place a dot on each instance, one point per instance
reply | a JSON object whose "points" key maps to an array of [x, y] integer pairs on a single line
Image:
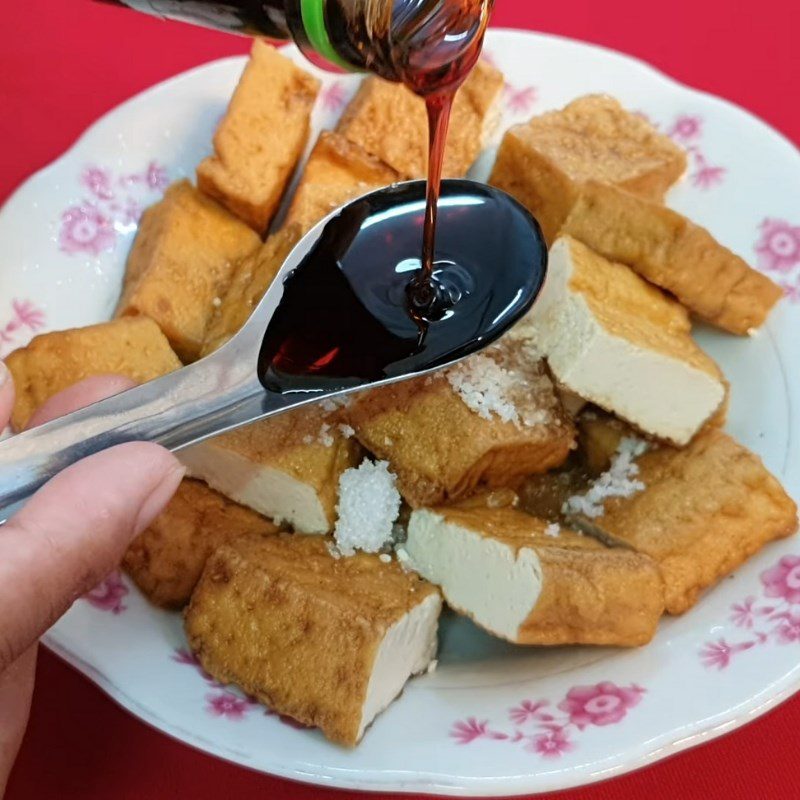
{"points": [[337, 171], [390, 122], [252, 277], [486, 422], [167, 559], [544, 162], [619, 342], [51, 362], [535, 583], [286, 467], [672, 252], [327, 641], [703, 512], [261, 137], [182, 259]]}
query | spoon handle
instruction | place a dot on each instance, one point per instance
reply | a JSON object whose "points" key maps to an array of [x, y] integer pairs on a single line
{"points": [[176, 410]]}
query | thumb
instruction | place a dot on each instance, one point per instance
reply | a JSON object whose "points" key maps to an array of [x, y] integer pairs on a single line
{"points": [[73, 532]]}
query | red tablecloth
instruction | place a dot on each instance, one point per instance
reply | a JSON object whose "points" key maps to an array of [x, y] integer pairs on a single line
{"points": [[62, 64]]}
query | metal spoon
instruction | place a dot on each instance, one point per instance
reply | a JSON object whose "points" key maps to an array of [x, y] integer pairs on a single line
{"points": [[223, 391]]}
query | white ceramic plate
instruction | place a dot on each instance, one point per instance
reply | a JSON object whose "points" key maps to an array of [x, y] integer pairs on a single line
{"points": [[493, 719]]}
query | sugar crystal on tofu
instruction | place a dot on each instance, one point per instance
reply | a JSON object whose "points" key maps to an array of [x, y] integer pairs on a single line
{"points": [[669, 250], [261, 137], [166, 560], [328, 641], [252, 277], [488, 421], [389, 121], [701, 512], [337, 171], [135, 348], [544, 162], [286, 467], [183, 257], [532, 582], [622, 344], [368, 507]]}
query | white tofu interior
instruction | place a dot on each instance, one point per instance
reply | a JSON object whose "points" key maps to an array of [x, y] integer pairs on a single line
{"points": [[407, 649], [660, 394], [268, 491], [478, 576]]}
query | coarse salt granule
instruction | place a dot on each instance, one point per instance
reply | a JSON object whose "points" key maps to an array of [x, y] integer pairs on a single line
{"points": [[553, 529], [485, 387], [369, 504], [331, 404], [347, 430], [618, 481]]}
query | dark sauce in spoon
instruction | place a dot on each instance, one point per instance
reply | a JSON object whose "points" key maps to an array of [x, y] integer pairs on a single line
{"points": [[344, 320]]}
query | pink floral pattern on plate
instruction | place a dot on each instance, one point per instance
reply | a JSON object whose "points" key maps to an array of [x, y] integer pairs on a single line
{"points": [[108, 594], [225, 701], [687, 130], [778, 252], [773, 618], [113, 204], [550, 732], [24, 320], [518, 100]]}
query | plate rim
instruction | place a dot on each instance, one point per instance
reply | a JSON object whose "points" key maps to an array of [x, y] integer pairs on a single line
{"points": [[649, 752]]}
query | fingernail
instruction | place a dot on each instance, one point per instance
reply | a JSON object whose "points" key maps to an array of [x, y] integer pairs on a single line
{"points": [[158, 498]]}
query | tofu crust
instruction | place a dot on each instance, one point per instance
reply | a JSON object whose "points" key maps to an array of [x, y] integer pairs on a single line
{"points": [[298, 629], [544, 162], [704, 511], [261, 137], [182, 260], [336, 172], [390, 122], [672, 252], [590, 594], [51, 362], [441, 450], [252, 277], [166, 560], [286, 467]]}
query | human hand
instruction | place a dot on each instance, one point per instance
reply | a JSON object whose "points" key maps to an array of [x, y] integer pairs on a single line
{"points": [[68, 537]]}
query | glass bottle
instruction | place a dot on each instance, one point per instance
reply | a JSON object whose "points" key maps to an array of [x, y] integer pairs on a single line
{"points": [[429, 45]]}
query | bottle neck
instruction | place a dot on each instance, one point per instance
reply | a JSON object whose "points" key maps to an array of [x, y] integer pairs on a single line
{"points": [[395, 39]]}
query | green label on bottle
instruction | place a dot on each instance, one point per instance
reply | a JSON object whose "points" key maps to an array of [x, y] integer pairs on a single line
{"points": [[313, 13]]}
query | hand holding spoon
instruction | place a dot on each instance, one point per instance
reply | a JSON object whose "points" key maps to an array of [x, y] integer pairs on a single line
{"points": [[336, 319]]}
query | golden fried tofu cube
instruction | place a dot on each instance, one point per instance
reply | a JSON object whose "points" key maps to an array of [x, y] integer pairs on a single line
{"points": [[621, 343], [182, 259], [286, 467], [51, 362], [487, 422], [261, 137], [703, 511], [390, 122], [337, 171], [672, 252], [544, 162], [252, 277], [532, 582], [328, 641], [167, 559]]}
